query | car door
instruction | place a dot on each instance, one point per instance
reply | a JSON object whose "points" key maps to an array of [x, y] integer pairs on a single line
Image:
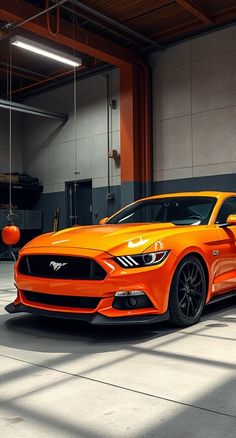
{"points": [[227, 247]]}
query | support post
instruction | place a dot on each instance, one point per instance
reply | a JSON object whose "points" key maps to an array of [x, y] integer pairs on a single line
{"points": [[135, 132]]}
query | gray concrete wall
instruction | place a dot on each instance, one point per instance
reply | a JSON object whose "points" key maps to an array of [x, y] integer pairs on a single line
{"points": [[50, 146], [48, 202], [194, 108], [194, 131], [16, 141]]}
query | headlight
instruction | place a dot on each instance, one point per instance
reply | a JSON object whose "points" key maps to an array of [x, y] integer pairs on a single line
{"points": [[139, 260]]}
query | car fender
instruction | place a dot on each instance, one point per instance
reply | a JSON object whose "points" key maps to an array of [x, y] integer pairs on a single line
{"points": [[194, 250]]}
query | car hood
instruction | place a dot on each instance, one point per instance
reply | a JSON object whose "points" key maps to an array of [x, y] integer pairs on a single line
{"points": [[112, 238]]}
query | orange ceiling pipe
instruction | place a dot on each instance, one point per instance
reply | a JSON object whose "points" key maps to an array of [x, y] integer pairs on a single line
{"points": [[45, 81], [49, 22], [135, 116], [20, 74], [88, 42]]}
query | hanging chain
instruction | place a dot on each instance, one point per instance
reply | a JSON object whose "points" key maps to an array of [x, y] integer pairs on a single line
{"points": [[11, 215], [75, 124], [75, 118], [10, 127]]}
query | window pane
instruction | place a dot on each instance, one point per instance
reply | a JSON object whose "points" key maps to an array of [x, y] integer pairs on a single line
{"points": [[186, 210], [227, 208]]}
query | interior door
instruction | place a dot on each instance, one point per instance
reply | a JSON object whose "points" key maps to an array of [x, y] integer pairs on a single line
{"points": [[79, 203]]}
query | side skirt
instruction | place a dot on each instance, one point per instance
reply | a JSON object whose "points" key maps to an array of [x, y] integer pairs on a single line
{"points": [[222, 297]]}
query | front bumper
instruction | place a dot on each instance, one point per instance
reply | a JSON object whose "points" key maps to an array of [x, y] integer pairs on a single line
{"points": [[154, 281], [92, 318]]}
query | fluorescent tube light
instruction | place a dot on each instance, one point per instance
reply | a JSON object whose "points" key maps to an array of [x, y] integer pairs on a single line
{"points": [[42, 50]]}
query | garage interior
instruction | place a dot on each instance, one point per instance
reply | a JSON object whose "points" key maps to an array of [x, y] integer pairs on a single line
{"points": [[150, 109]]}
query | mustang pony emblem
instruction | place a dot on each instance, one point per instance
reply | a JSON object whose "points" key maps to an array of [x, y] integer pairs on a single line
{"points": [[56, 266]]}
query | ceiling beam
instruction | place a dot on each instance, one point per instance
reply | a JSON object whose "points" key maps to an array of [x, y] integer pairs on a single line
{"points": [[116, 24], [14, 106], [87, 42], [32, 73], [196, 11], [18, 73], [48, 80]]}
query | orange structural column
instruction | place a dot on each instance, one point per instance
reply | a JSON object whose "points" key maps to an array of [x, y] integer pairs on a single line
{"points": [[128, 123], [135, 130]]}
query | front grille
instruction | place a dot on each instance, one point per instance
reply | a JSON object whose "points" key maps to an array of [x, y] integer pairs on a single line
{"points": [[64, 267], [62, 300]]}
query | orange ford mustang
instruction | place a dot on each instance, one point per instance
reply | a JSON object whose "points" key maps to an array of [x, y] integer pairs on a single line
{"points": [[162, 257]]}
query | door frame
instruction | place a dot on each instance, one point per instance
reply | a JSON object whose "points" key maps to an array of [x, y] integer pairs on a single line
{"points": [[67, 203]]}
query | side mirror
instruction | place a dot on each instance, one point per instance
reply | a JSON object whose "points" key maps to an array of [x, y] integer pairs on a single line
{"points": [[231, 219], [104, 219]]}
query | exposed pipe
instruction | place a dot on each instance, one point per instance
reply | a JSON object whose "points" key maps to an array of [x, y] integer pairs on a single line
{"points": [[97, 46], [116, 24], [91, 19], [71, 217], [57, 20], [21, 75], [44, 81], [85, 73], [61, 2], [14, 106], [108, 140], [24, 70]]}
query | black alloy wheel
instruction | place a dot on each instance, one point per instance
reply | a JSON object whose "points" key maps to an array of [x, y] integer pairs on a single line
{"points": [[188, 292]]}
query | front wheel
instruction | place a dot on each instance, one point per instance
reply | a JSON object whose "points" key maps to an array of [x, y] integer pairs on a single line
{"points": [[188, 292]]}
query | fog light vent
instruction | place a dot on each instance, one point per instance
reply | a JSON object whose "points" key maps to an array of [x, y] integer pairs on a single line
{"points": [[134, 299], [132, 302], [125, 293]]}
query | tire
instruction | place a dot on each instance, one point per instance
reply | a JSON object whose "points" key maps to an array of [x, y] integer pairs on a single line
{"points": [[188, 292]]}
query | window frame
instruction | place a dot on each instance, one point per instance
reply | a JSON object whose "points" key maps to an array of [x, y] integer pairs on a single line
{"points": [[224, 201]]}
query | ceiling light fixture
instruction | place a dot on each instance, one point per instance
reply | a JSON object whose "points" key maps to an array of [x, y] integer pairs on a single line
{"points": [[40, 49]]}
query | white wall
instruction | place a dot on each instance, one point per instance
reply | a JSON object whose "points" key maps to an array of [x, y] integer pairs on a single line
{"points": [[16, 141], [49, 145], [194, 107]]}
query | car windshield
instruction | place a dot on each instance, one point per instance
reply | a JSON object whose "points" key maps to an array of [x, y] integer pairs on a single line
{"points": [[185, 210]]}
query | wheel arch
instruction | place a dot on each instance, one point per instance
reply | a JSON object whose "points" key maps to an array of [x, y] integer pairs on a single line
{"points": [[205, 268], [176, 315], [203, 263]]}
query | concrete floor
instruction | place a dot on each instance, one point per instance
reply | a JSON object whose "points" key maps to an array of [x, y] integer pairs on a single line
{"points": [[64, 379]]}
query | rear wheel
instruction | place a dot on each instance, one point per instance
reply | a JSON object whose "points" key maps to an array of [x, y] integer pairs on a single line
{"points": [[188, 292]]}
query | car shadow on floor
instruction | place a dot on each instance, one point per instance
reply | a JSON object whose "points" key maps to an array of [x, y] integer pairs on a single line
{"points": [[28, 327], [58, 335]]}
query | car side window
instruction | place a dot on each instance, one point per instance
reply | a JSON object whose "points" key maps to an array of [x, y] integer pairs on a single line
{"points": [[227, 208]]}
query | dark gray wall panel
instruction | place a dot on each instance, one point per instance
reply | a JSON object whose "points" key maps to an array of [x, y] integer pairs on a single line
{"points": [[48, 203], [130, 191], [102, 207], [217, 182]]}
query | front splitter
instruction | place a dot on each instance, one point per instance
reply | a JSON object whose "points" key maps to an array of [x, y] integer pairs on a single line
{"points": [[91, 318]]}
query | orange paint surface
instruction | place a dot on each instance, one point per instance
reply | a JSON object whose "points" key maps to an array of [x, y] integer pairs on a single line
{"points": [[215, 247]]}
